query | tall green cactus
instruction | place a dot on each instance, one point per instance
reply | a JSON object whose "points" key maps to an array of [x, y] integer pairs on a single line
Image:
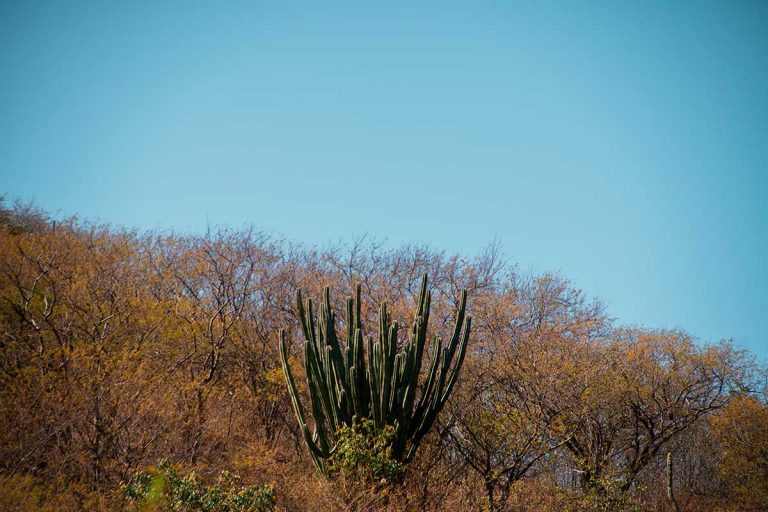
{"points": [[347, 383]]}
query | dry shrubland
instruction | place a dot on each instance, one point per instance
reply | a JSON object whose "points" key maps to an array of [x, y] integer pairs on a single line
{"points": [[122, 348]]}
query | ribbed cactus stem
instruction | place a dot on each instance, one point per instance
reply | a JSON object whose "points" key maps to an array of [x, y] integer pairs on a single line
{"points": [[670, 490], [365, 379]]}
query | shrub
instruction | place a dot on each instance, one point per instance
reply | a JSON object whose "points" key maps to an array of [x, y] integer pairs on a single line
{"points": [[364, 454], [163, 489]]}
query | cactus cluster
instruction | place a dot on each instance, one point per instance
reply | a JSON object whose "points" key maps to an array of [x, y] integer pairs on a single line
{"points": [[377, 379]]}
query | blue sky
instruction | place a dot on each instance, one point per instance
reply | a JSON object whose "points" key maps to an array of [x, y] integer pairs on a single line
{"points": [[621, 144]]}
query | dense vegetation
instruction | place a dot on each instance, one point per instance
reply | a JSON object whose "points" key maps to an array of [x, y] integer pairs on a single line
{"points": [[142, 371]]}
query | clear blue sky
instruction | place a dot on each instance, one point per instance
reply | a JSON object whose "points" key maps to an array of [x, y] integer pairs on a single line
{"points": [[622, 144]]}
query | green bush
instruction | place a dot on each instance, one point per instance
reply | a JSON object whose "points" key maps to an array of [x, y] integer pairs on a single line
{"points": [[364, 453], [163, 489]]}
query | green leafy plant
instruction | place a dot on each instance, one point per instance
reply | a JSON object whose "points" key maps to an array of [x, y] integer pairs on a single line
{"points": [[346, 384], [161, 488], [364, 454]]}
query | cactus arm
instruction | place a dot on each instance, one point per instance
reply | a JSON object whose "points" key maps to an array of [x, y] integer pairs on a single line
{"points": [[358, 381], [388, 363], [298, 410], [459, 362], [350, 320], [292, 390], [303, 316], [318, 385], [670, 489], [328, 324], [459, 324], [429, 384]]}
